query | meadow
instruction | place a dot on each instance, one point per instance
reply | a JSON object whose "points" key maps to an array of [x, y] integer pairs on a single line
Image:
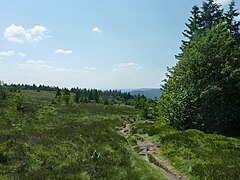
{"points": [[44, 140]]}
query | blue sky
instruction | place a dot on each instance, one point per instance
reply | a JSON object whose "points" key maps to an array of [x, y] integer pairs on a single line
{"points": [[91, 43]]}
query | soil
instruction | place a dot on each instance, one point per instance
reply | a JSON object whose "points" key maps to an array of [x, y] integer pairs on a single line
{"points": [[157, 160]]}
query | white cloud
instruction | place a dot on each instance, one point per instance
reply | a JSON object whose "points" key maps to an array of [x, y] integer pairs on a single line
{"points": [[86, 68], [46, 66], [11, 53], [34, 65], [19, 34], [6, 54], [62, 51], [61, 70], [223, 2], [127, 68], [21, 54], [96, 30]]}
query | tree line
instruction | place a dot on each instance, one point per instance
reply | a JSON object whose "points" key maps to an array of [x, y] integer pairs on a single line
{"points": [[76, 95], [97, 96]]}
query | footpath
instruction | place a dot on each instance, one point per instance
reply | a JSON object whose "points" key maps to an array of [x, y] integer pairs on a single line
{"points": [[149, 152]]}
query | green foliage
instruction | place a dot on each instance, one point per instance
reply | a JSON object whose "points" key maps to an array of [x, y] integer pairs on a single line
{"points": [[58, 92], [232, 24], [19, 100], [77, 97], [3, 91], [208, 16], [95, 156], [46, 112], [195, 153], [203, 90], [59, 141], [132, 141], [66, 98], [149, 108]]}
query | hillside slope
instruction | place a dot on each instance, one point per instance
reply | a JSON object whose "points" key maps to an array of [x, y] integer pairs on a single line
{"points": [[46, 140], [147, 92]]}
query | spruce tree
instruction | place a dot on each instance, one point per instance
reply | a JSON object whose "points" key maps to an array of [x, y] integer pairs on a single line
{"points": [[194, 23], [3, 91], [232, 23], [211, 14], [77, 96]]}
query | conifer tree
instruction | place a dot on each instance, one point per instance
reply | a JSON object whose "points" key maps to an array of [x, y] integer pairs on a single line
{"points": [[58, 92], [194, 23], [232, 23], [3, 91], [211, 14], [77, 96]]}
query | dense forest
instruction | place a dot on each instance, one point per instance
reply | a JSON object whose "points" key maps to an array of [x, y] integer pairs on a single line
{"points": [[190, 132]]}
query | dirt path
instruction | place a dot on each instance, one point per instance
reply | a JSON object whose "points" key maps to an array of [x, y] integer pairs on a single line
{"points": [[150, 153]]}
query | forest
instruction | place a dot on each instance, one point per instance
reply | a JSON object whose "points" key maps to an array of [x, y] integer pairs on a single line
{"points": [[191, 132]]}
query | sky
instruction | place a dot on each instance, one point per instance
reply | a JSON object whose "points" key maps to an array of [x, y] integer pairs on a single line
{"points": [[107, 44]]}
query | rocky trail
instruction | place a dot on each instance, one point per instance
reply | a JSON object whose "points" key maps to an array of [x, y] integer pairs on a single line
{"points": [[149, 152]]}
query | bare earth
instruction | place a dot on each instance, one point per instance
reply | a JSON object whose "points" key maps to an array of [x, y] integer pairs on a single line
{"points": [[149, 149]]}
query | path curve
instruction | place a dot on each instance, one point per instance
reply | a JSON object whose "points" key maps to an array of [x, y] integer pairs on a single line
{"points": [[150, 153]]}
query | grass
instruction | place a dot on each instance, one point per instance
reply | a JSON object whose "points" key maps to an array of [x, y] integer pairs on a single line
{"points": [[192, 152], [75, 141]]}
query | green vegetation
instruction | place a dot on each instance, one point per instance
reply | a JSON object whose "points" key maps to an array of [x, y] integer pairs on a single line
{"points": [[201, 92], [53, 133], [203, 89], [194, 153], [81, 95], [40, 139]]}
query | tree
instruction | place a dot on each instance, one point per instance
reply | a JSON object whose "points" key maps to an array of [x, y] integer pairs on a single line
{"points": [[201, 19], [58, 92], [3, 91], [203, 89], [66, 95], [211, 14], [96, 95], [232, 23], [193, 25], [19, 100], [77, 96]]}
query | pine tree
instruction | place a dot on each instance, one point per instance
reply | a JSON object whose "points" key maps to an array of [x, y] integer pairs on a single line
{"points": [[77, 96], [58, 92], [66, 95], [211, 14], [232, 23], [96, 96], [200, 20], [3, 91], [194, 23]]}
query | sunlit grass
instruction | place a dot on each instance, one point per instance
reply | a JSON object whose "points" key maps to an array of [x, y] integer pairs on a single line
{"points": [[200, 155], [75, 141]]}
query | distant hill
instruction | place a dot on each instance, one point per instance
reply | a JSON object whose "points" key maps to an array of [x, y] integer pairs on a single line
{"points": [[149, 93]]}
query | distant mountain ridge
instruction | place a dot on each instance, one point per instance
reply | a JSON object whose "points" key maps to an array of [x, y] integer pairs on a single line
{"points": [[149, 93]]}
